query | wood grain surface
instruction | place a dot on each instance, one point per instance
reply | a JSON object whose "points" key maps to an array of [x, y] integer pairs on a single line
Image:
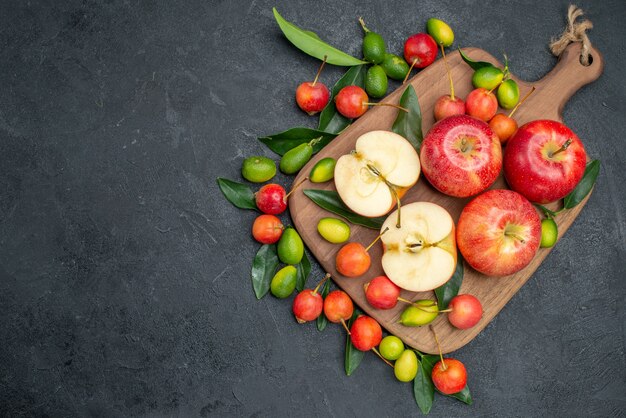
{"points": [[547, 102]]}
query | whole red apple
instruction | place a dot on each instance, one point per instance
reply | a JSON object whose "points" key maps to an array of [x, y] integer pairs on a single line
{"points": [[481, 104], [420, 50], [544, 161], [466, 311], [312, 97], [449, 376], [461, 156], [365, 333], [499, 232]]}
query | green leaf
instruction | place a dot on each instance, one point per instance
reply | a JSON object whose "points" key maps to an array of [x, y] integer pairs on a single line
{"points": [[304, 268], [475, 64], [409, 124], [282, 142], [450, 289], [263, 269], [330, 200], [238, 194], [423, 388], [311, 44], [353, 356], [331, 120], [321, 320], [464, 396], [584, 186]]}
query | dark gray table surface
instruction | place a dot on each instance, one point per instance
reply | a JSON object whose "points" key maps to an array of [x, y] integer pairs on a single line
{"points": [[124, 274]]}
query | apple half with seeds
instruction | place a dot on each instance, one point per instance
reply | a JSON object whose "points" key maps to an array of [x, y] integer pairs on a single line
{"points": [[421, 254], [381, 169]]}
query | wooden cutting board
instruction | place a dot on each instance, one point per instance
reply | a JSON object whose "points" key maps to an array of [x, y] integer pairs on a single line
{"points": [[546, 102]]}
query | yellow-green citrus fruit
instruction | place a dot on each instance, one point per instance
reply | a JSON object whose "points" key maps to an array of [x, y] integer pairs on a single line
{"points": [[373, 47], [290, 247], [323, 170], [395, 66], [549, 233], [423, 314], [508, 94], [487, 77], [405, 367], [258, 169], [296, 158], [391, 347], [333, 230], [284, 282], [440, 31], [376, 82]]}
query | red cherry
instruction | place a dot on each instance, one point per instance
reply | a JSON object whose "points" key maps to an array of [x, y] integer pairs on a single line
{"points": [[420, 50], [267, 229], [449, 376], [382, 293], [466, 311], [365, 333], [351, 101], [481, 104], [270, 199], [313, 96], [307, 306], [338, 306], [445, 106]]}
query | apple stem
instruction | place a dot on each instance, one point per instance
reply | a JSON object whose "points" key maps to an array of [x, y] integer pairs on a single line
{"points": [[381, 357], [516, 236], [362, 22], [421, 307], [491, 91], [445, 61], [293, 189], [408, 73], [404, 109], [377, 238], [522, 101], [443, 363], [563, 148], [345, 326], [319, 71], [326, 277]]}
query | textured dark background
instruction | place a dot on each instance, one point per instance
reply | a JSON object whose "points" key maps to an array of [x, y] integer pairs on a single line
{"points": [[124, 274]]}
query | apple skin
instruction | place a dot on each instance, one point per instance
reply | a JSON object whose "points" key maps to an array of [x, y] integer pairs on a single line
{"points": [[420, 48], [452, 378], [481, 104], [498, 232], [453, 171], [312, 98], [531, 172], [466, 311], [382, 293], [445, 106]]}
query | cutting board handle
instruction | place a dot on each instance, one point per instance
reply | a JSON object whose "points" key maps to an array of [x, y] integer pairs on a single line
{"points": [[569, 75]]}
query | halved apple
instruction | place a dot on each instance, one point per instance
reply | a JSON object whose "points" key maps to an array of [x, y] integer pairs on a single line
{"points": [[421, 254], [373, 177]]}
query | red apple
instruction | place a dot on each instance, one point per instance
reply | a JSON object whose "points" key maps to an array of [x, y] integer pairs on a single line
{"points": [[420, 50], [503, 126], [449, 376], [544, 161], [466, 311], [382, 293], [445, 106], [499, 232], [481, 104], [312, 97], [461, 156], [365, 333]]}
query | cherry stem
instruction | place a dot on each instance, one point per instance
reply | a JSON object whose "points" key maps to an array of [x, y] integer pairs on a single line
{"points": [[443, 363], [381, 357], [522, 101], [321, 283], [319, 72], [491, 91], [362, 22], [445, 61], [422, 307], [408, 73], [293, 189], [388, 104], [343, 322], [377, 238], [563, 148]]}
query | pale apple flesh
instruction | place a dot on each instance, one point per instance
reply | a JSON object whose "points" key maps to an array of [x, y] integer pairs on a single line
{"points": [[383, 165], [421, 254], [499, 232]]}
